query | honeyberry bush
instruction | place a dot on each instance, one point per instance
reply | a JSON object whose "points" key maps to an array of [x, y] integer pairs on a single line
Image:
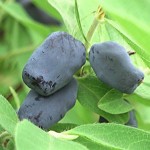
{"points": [[126, 22]]}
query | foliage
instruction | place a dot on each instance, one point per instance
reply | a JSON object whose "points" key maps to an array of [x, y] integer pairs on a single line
{"points": [[125, 22]]}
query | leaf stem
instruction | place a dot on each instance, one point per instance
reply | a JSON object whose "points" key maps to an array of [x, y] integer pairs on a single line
{"points": [[91, 32]]}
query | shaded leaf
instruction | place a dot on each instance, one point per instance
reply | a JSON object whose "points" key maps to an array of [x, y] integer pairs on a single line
{"points": [[113, 103], [90, 91]]}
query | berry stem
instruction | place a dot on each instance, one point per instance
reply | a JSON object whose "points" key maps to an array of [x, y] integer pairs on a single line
{"points": [[131, 52], [99, 18]]}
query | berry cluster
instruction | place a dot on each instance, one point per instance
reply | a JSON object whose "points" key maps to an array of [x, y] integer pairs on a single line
{"points": [[49, 73], [50, 69]]}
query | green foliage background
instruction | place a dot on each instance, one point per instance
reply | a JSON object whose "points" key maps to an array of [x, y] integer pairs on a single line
{"points": [[126, 22]]}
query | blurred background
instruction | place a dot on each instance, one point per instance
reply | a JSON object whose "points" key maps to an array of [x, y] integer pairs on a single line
{"points": [[24, 24]]}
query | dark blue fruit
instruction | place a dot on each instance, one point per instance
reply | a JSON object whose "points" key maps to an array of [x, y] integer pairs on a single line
{"points": [[113, 66], [132, 120], [46, 111], [52, 65]]}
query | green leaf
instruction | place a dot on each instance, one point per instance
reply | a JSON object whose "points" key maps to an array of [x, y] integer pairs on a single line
{"points": [[142, 112], [113, 34], [134, 26], [113, 103], [40, 140], [67, 10], [112, 135], [92, 145], [130, 43], [141, 94], [8, 116], [78, 20], [143, 89], [77, 115], [143, 144], [90, 91], [44, 5]]}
